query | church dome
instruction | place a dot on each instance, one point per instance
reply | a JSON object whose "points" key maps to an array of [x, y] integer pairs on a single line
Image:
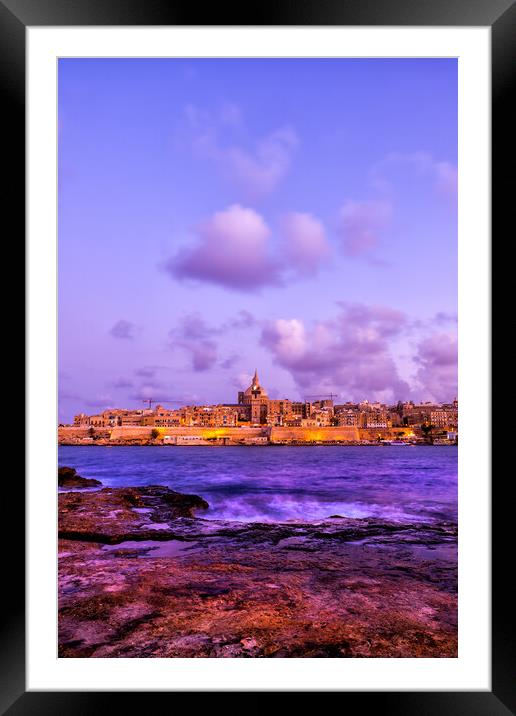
{"points": [[255, 389]]}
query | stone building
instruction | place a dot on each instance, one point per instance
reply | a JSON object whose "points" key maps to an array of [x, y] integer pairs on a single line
{"points": [[320, 418], [374, 419], [347, 417], [279, 412], [255, 408], [444, 418], [164, 418], [257, 401], [259, 409], [209, 416]]}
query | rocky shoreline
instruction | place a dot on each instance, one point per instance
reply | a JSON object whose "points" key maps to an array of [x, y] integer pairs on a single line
{"points": [[143, 574]]}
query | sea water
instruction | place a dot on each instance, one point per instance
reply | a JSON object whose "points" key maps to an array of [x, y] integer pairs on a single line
{"points": [[283, 483]]}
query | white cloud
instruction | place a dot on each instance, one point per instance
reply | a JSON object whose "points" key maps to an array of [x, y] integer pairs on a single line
{"points": [[256, 170]]}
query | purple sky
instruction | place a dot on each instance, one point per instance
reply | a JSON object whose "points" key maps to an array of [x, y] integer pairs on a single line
{"points": [[298, 216]]}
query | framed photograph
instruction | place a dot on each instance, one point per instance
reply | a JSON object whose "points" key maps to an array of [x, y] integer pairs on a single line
{"points": [[259, 340]]}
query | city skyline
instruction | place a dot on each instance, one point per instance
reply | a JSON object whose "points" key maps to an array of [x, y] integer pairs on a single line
{"points": [[254, 408], [284, 405], [209, 223]]}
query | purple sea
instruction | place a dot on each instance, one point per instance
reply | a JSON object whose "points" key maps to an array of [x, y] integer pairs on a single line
{"points": [[277, 484]]}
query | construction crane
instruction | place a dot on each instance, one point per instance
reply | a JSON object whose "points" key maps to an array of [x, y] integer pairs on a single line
{"points": [[327, 395], [165, 400]]}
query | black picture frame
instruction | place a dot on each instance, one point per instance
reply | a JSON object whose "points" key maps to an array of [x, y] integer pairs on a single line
{"points": [[500, 15]]}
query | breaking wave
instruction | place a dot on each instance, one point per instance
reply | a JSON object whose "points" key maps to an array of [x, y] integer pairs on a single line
{"points": [[278, 484]]}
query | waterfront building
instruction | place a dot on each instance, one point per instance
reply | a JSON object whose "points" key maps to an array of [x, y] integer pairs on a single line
{"points": [[374, 419], [347, 418], [440, 416], [164, 418], [444, 418], [279, 412], [257, 400], [255, 408], [209, 416], [318, 419]]}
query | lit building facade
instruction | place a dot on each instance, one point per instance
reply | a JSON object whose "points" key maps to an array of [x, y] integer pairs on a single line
{"points": [[255, 408], [255, 398]]}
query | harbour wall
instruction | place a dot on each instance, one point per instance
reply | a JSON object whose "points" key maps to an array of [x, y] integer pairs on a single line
{"points": [[320, 435], [274, 435]]}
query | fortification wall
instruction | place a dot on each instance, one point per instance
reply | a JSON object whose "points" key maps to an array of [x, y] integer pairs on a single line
{"points": [[336, 434], [341, 434], [276, 434], [65, 433], [372, 434], [214, 433], [131, 432], [137, 432]]}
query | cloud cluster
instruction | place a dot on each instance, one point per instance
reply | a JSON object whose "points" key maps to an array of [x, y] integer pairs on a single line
{"points": [[436, 358], [241, 380], [446, 178], [261, 170], [351, 354], [103, 401], [121, 383], [442, 175], [360, 226], [255, 171], [235, 249], [145, 372], [68, 395], [232, 250], [156, 391], [200, 340], [304, 242], [230, 361], [195, 336], [244, 319], [124, 330]]}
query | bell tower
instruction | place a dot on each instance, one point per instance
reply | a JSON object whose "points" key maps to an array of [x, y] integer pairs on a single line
{"points": [[255, 385]]}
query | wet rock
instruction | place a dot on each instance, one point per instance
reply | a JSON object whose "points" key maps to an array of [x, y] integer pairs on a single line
{"points": [[111, 515], [341, 588], [68, 477]]}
